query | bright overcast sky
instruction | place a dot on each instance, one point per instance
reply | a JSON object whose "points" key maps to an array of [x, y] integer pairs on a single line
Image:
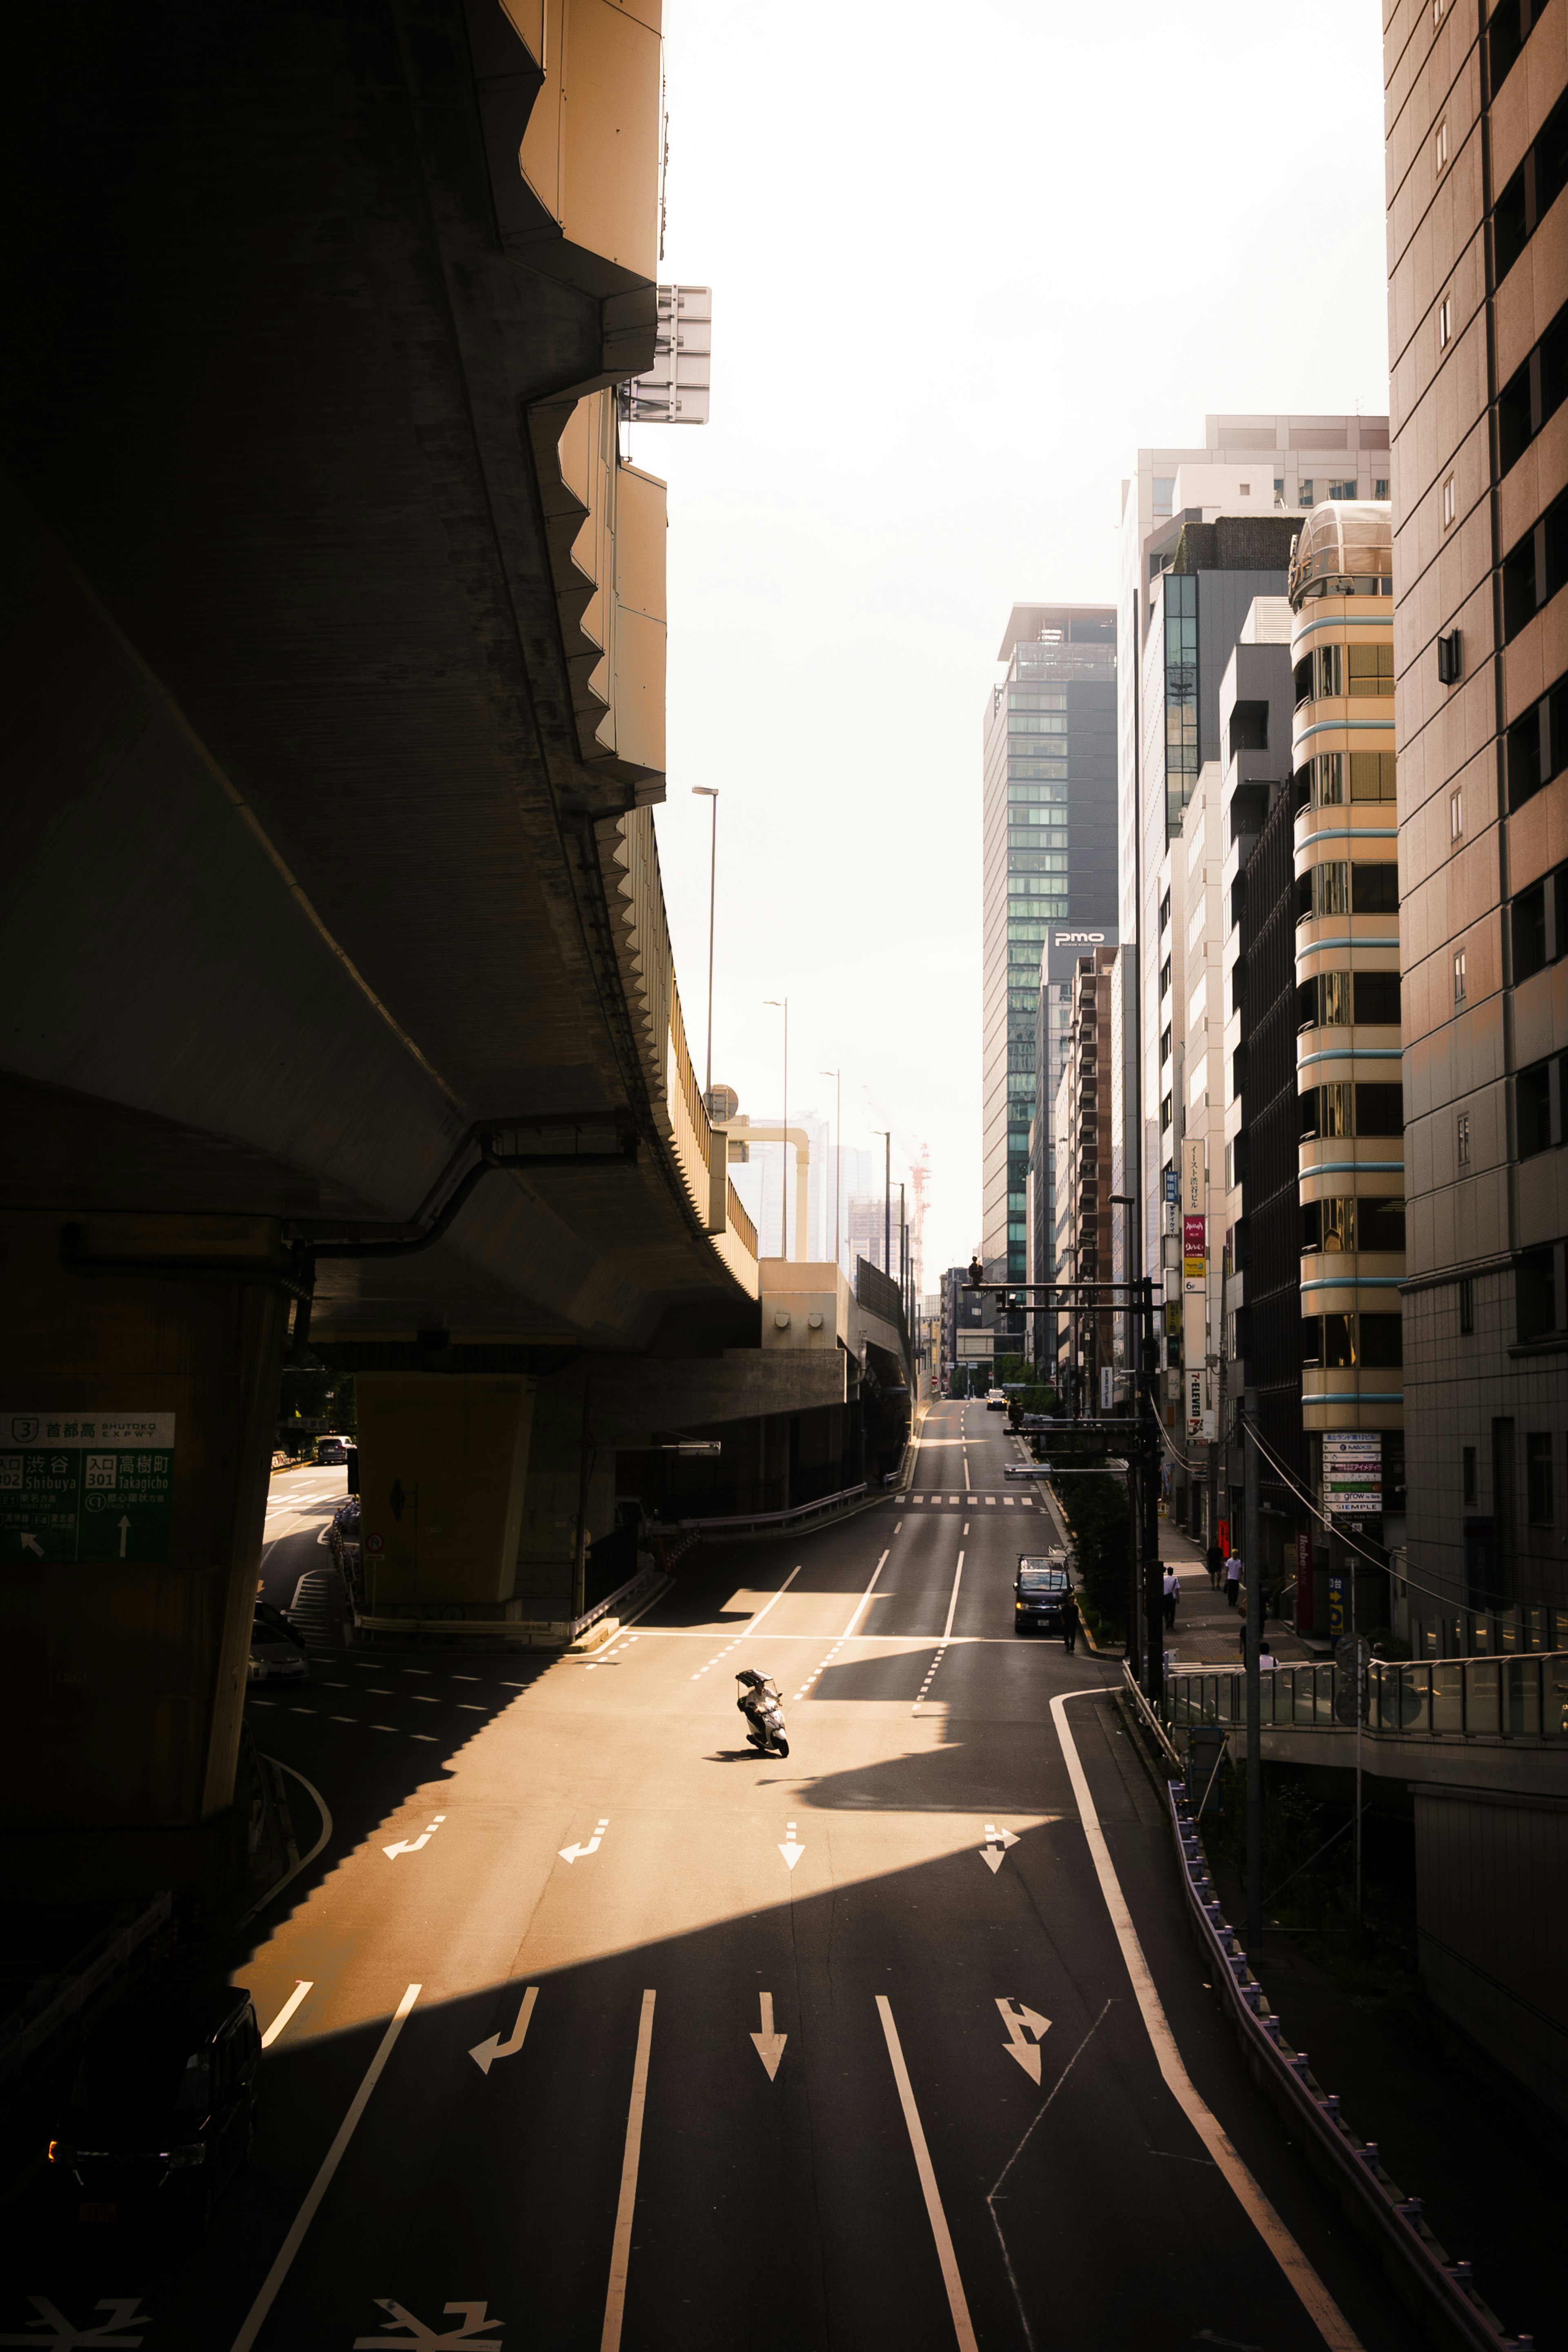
{"points": [[965, 261]]}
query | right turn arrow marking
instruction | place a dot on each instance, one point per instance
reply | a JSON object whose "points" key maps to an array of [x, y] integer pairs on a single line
{"points": [[996, 1843], [769, 2045], [485, 2056], [1020, 2023]]}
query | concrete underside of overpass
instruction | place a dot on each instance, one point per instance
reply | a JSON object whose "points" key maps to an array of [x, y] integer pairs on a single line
{"points": [[317, 885]]}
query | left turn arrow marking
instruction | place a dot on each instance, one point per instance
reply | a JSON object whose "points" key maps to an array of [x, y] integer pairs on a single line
{"points": [[413, 1846], [485, 2056]]}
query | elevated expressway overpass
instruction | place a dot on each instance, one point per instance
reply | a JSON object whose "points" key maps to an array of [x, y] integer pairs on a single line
{"points": [[339, 1010]]}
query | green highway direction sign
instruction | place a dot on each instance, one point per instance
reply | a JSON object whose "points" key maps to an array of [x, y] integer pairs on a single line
{"points": [[86, 1485]]}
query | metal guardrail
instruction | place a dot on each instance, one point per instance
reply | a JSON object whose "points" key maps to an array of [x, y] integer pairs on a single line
{"points": [[1523, 1697], [1442, 2291], [1148, 1718], [82, 1977], [764, 1521], [533, 1630]]}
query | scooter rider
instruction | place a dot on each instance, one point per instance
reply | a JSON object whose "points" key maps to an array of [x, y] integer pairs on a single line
{"points": [[760, 1703]]}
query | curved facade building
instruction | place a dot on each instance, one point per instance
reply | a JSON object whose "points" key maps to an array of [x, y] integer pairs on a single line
{"points": [[1348, 1050]]}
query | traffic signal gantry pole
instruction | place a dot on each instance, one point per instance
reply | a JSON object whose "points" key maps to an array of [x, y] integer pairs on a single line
{"points": [[1137, 1295]]}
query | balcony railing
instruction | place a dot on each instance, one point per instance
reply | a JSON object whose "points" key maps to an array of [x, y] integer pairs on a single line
{"points": [[1492, 1698]]}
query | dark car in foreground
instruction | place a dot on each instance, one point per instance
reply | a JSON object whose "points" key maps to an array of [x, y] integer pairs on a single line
{"points": [[1043, 1592], [162, 2111]]}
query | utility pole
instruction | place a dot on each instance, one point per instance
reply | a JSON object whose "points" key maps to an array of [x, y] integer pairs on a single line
{"points": [[1153, 1589], [783, 1003], [710, 792], [1254, 1685], [886, 1134], [838, 1078]]}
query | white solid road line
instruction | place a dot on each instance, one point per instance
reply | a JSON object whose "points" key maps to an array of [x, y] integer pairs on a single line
{"points": [[946, 1637], [319, 1801], [1315, 2298], [620, 2250], [256, 2315], [301, 1987], [962, 2326]]}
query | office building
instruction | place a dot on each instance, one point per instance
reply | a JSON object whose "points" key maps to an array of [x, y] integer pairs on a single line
{"points": [[1054, 1021], [1082, 1124], [1049, 858], [968, 1334], [1204, 531], [1477, 162]]}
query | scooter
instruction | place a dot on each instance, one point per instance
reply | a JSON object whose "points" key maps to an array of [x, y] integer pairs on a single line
{"points": [[760, 1703]]}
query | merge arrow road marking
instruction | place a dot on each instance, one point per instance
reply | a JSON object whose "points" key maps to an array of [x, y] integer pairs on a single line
{"points": [[486, 2054], [1020, 2022], [123, 2311], [769, 2045], [996, 1843], [789, 1850], [411, 1845], [473, 2327], [575, 1852]]}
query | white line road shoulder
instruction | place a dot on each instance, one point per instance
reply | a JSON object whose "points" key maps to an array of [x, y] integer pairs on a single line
{"points": [[1315, 2298]]}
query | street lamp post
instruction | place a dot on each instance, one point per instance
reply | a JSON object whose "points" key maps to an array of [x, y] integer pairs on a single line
{"points": [[782, 1004], [838, 1078], [710, 792], [886, 1134]]}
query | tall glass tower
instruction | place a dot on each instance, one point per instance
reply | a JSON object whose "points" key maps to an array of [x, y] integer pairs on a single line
{"points": [[1050, 859]]}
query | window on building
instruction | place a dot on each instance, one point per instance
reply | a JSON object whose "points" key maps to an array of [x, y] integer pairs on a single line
{"points": [[1334, 777], [1532, 190], [1538, 1477], [1165, 977], [1380, 486], [1377, 998], [1278, 490], [1538, 744], [1535, 568], [1381, 1340], [1166, 1112], [1533, 393], [1166, 912], [1508, 28], [1456, 815], [1304, 492], [1445, 321], [1441, 144], [1467, 1310], [1532, 1091], [1450, 500], [1535, 1294], [1344, 490], [1459, 975], [1165, 1042], [1374, 889], [1463, 1137], [1468, 1472], [1328, 1227], [1379, 1109], [1382, 1221], [1371, 669], [1245, 489], [1164, 486]]}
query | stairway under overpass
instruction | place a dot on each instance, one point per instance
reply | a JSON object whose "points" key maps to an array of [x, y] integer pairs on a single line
{"points": [[339, 1004]]}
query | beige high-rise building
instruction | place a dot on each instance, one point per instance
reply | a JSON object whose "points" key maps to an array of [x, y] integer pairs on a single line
{"points": [[1478, 235]]}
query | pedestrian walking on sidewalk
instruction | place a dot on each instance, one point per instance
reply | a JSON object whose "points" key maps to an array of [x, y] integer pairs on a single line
{"points": [[1232, 1579], [1215, 1563], [1171, 1587]]}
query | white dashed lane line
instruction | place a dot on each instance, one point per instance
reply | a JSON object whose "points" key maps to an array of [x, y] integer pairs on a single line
{"points": [[751, 1625], [947, 1635], [844, 1636]]}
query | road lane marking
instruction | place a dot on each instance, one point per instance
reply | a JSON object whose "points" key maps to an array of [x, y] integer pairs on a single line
{"points": [[769, 2046], [620, 2250], [789, 1850], [957, 2304], [996, 1843], [752, 1623], [486, 2054], [848, 1630], [124, 2311], [575, 1852], [284, 2261], [413, 1846], [1020, 2022], [301, 1987], [305, 1860], [947, 1635], [1315, 2298]]}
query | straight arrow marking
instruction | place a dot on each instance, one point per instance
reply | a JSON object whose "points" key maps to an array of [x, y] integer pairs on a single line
{"points": [[769, 2045], [997, 1842], [1020, 2022], [485, 2056], [789, 1850]]}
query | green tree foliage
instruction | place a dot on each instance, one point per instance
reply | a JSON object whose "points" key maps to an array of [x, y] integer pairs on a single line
{"points": [[1097, 1513]]}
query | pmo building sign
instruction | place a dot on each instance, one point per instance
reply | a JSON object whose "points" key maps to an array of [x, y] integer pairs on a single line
{"points": [[1353, 1473], [86, 1485]]}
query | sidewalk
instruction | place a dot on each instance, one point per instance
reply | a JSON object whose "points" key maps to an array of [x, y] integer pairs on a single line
{"points": [[1207, 1631]]}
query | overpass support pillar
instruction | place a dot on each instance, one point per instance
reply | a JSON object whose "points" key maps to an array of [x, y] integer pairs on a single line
{"points": [[443, 1458], [139, 1385], [569, 1499]]}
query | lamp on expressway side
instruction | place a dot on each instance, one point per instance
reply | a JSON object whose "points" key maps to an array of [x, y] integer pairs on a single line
{"points": [[710, 792]]}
